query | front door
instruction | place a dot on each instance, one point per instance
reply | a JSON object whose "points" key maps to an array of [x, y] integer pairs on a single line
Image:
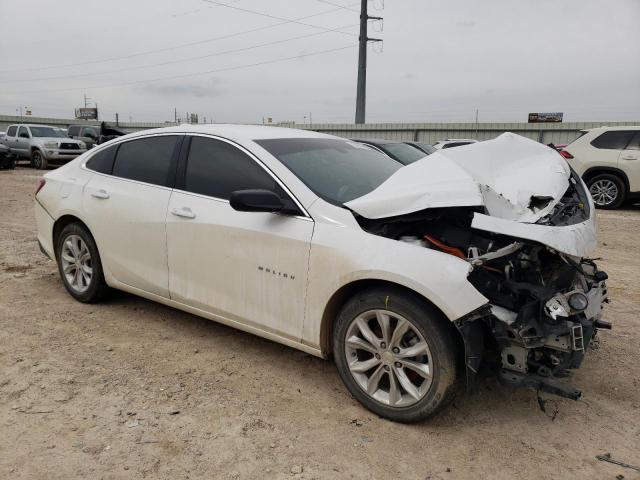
{"points": [[248, 267]]}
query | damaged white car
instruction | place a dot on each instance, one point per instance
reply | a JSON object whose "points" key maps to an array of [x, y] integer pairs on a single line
{"points": [[414, 278]]}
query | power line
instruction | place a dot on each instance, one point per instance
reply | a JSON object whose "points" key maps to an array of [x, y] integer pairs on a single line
{"points": [[173, 77], [179, 46], [345, 7], [262, 14], [171, 62]]}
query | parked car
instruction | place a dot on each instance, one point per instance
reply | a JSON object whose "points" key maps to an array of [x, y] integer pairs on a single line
{"points": [[423, 147], [7, 160], [608, 160], [399, 151], [411, 277], [42, 144], [453, 142], [93, 135]]}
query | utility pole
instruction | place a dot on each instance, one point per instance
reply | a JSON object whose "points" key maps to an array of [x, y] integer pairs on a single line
{"points": [[175, 115], [362, 61], [476, 123], [116, 119]]}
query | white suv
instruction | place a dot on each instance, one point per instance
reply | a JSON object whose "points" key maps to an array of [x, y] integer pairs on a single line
{"points": [[411, 277], [608, 160]]}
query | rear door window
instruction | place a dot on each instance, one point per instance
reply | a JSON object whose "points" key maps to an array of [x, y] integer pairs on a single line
{"points": [[12, 131], [148, 160], [613, 140], [634, 144]]}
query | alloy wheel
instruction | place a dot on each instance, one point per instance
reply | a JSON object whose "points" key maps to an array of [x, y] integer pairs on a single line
{"points": [[389, 358], [604, 192], [75, 259]]}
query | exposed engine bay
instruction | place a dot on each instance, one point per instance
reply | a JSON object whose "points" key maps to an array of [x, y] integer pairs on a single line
{"points": [[544, 305]]}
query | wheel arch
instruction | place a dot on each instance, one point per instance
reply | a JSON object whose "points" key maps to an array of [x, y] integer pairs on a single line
{"points": [[59, 225], [342, 295], [593, 171]]}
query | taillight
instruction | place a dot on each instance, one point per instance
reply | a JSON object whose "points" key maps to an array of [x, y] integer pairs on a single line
{"points": [[41, 183], [565, 154]]}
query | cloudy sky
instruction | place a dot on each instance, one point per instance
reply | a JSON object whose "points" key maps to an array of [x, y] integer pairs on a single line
{"points": [[242, 60]]}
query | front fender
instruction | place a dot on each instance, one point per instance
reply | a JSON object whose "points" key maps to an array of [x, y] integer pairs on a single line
{"points": [[340, 256]]}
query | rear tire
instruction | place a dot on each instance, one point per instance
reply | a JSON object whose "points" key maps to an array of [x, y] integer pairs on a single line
{"points": [[607, 190], [403, 366], [79, 264], [38, 161]]}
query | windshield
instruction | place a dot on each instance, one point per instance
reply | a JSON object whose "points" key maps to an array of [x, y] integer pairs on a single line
{"points": [[46, 132], [336, 170], [428, 148], [402, 152]]}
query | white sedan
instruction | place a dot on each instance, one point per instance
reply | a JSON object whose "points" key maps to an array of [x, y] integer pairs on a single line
{"points": [[412, 277]]}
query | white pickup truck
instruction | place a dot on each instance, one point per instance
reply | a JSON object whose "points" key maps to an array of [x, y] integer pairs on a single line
{"points": [[42, 144]]}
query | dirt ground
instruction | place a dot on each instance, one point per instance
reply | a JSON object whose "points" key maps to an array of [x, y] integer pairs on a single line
{"points": [[131, 389]]}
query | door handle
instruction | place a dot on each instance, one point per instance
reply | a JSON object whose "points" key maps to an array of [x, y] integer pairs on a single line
{"points": [[629, 157], [184, 212], [101, 194]]}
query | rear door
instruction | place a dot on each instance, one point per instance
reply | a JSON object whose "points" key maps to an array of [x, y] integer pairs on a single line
{"points": [[126, 204], [607, 148], [247, 267], [629, 162], [23, 141]]}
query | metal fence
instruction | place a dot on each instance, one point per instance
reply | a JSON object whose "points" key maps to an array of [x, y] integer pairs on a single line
{"points": [[557, 133]]}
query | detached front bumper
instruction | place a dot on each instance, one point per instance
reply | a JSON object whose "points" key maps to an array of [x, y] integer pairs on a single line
{"points": [[542, 342]]}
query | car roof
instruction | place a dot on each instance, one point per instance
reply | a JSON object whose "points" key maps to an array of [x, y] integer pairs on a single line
{"points": [[237, 132], [473, 140], [375, 141], [33, 125]]}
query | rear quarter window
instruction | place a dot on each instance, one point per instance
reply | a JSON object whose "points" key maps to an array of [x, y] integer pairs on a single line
{"points": [[613, 140], [102, 161]]}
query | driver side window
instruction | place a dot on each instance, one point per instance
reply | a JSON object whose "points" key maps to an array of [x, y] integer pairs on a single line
{"points": [[216, 168]]}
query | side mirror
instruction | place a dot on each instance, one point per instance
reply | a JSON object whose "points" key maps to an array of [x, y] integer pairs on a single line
{"points": [[256, 201]]}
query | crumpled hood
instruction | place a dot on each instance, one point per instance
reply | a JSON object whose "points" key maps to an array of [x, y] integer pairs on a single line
{"points": [[517, 180], [502, 174]]}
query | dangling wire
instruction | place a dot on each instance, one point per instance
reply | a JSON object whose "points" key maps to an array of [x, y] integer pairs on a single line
{"points": [[375, 3], [378, 47]]}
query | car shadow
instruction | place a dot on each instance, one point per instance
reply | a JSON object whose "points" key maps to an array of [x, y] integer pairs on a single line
{"points": [[310, 372]]}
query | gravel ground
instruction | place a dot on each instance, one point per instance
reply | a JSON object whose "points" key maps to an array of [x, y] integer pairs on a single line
{"points": [[131, 389]]}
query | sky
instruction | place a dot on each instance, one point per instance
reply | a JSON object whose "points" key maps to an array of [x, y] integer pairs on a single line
{"points": [[243, 61]]}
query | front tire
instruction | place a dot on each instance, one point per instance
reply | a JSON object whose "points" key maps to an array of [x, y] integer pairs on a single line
{"points": [[396, 354], [79, 264], [38, 161], [608, 191]]}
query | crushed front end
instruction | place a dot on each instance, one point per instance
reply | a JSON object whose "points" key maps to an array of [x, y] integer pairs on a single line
{"points": [[545, 306]]}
